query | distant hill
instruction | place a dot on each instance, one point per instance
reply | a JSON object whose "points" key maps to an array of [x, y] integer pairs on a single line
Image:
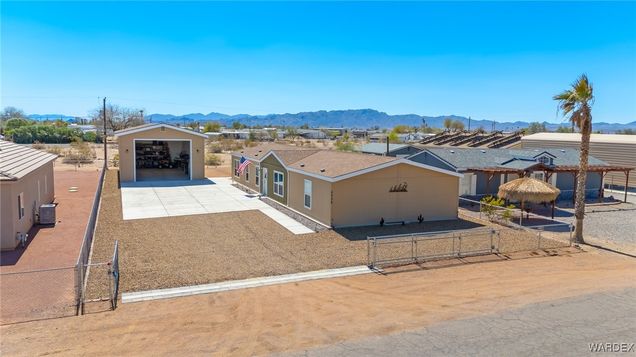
{"points": [[362, 118], [352, 118]]}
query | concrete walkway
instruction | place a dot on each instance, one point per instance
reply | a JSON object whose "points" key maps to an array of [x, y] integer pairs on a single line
{"points": [[182, 198], [242, 284]]}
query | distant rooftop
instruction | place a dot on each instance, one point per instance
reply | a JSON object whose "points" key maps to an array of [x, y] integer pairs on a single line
{"points": [[464, 158], [576, 137]]}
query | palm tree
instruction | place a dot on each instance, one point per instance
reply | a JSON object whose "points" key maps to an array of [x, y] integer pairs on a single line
{"points": [[577, 103]]}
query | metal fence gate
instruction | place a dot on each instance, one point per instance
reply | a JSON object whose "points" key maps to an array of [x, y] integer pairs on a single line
{"points": [[419, 247]]}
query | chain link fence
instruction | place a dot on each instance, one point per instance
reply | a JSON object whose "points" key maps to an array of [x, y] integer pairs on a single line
{"points": [[61, 291], [37, 294]]}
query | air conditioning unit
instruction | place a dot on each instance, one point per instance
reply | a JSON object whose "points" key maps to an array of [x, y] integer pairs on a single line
{"points": [[47, 214]]}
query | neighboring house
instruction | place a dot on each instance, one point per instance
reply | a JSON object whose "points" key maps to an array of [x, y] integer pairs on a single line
{"points": [[615, 149], [155, 152], [340, 189], [312, 134], [26, 182], [396, 150], [485, 169]]}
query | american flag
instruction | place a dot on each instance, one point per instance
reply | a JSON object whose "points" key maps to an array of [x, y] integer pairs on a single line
{"points": [[243, 164]]}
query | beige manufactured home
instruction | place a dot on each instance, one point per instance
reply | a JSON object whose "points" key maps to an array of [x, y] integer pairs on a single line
{"points": [[619, 150], [26, 182], [341, 189], [155, 152]]}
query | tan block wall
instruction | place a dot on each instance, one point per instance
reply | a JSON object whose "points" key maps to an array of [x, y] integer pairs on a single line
{"points": [[363, 200], [10, 225], [321, 197], [127, 151]]}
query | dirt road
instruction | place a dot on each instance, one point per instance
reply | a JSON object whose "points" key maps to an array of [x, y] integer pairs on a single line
{"points": [[297, 316]]}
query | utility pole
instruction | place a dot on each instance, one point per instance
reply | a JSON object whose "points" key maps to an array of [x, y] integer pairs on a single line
{"points": [[469, 123], [105, 135], [142, 116]]}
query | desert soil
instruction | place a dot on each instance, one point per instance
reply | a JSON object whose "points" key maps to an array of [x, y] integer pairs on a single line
{"points": [[293, 317], [188, 250]]}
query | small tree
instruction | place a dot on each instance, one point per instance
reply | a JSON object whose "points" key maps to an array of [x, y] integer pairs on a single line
{"points": [[448, 123], [212, 127], [457, 125]]}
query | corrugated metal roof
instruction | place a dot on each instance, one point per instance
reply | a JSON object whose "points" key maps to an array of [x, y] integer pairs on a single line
{"points": [[464, 158], [380, 148], [16, 161], [576, 137]]}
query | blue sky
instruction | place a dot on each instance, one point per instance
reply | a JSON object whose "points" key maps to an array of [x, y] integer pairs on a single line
{"points": [[500, 61]]}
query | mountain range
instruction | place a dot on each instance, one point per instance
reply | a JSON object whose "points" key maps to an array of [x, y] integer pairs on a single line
{"points": [[352, 118]]}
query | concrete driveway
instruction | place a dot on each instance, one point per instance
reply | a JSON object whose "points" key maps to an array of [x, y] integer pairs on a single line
{"points": [[153, 199]]}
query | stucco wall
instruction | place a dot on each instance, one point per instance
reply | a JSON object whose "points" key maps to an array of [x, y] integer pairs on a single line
{"points": [[321, 197], [127, 150], [364, 199], [28, 185], [565, 182]]}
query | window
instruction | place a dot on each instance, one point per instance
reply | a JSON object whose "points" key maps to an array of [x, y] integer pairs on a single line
{"points": [[545, 160], [257, 175], [247, 174], [307, 194], [538, 175], [279, 181], [21, 205], [236, 166]]}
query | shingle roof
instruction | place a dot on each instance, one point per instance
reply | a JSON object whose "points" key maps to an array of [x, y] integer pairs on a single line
{"points": [[464, 158], [16, 161], [336, 163], [260, 151]]}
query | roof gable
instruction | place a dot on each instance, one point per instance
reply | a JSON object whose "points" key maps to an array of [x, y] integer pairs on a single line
{"points": [[150, 126]]}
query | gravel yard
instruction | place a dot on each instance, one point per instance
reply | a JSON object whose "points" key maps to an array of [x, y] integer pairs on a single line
{"points": [[188, 250]]}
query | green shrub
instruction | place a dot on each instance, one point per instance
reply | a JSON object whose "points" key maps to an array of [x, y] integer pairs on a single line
{"points": [[495, 209]]}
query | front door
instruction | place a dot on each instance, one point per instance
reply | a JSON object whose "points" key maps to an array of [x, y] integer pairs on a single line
{"points": [[264, 190]]}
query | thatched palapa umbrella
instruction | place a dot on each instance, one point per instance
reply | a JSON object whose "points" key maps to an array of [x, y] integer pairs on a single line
{"points": [[528, 189]]}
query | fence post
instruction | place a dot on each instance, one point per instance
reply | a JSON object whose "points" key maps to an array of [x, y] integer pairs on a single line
{"points": [[459, 250], [368, 252], [492, 247], [375, 248], [539, 241], [571, 230]]}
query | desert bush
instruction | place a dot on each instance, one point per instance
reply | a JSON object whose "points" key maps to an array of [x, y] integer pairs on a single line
{"points": [[79, 152], [116, 160], [215, 148], [55, 150], [38, 146], [213, 159]]}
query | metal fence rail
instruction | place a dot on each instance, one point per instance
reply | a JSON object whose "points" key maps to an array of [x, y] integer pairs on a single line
{"points": [[419, 247]]}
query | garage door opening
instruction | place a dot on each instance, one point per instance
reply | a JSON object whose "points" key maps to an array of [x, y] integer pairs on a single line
{"points": [[162, 160]]}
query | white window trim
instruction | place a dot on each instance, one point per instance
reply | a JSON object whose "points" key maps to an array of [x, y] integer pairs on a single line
{"points": [[257, 175], [282, 184], [311, 193]]}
